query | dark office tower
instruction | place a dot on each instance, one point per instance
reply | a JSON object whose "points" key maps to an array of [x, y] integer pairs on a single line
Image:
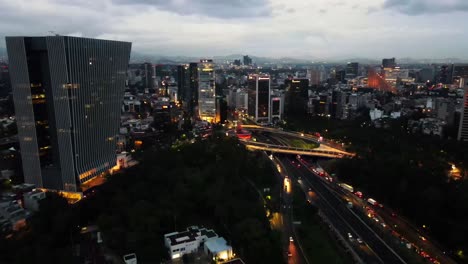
{"points": [[338, 101], [389, 63], [459, 72], [259, 97], [340, 76], [237, 62], [352, 69], [247, 60], [5, 87], [192, 95], [183, 81], [68, 93], [149, 75], [445, 74], [296, 96], [463, 129]]}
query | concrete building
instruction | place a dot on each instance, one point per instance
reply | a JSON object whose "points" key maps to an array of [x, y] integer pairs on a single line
{"points": [[32, 199], [277, 106], [68, 93], [14, 213], [444, 109], [192, 240], [352, 70], [131, 104]]}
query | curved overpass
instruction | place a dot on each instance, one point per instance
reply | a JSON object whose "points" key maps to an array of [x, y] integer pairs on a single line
{"points": [[322, 151], [293, 134]]}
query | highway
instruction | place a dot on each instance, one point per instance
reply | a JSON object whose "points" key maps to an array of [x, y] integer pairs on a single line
{"points": [[284, 222], [333, 201], [374, 249]]}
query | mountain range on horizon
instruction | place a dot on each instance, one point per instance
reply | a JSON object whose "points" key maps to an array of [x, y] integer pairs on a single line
{"points": [[137, 57]]}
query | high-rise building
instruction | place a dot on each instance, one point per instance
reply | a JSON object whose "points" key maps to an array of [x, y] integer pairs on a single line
{"points": [[206, 91], [338, 102], [192, 94], [259, 97], [183, 83], [340, 76], [459, 72], [149, 75], [445, 74], [463, 128], [247, 60], [296, 96], [68, 93], [352, 70], [426, 74], [388, 63], [5, 87], [314, 76], [277, 106]]}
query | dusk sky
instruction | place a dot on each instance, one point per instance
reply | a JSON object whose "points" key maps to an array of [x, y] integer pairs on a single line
{"points": [[316, 29]]}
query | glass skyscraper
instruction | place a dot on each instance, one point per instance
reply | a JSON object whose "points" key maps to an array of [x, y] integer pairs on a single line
{"points": [[206, 91], [67, 93]]}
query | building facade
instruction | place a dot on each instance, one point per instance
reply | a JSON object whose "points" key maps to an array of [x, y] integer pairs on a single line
{"points": [[259, 94], [206, 91], [67, 93], [463, 129]]}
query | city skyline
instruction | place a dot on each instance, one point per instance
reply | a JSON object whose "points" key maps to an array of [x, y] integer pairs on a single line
{"points": [[266, 28]]}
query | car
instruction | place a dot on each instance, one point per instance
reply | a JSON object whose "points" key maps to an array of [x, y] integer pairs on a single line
{"points": [[359, 240], [291, 239], [358, 194], [350, 237], [289, 254]]}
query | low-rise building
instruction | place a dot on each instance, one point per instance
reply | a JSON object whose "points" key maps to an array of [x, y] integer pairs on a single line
{"points": [[194, 239], [14, 213], [218, 249], [32, 199]]}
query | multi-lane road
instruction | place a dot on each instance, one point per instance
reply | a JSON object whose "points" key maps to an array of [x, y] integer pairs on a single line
{"points": [[376, 245], [349, 224]]}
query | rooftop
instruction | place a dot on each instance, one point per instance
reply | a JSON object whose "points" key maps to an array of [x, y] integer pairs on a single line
{"points": [[216, 245]]}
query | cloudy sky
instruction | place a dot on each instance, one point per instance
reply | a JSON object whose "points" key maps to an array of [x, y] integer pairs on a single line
{"points": [[322, 29]]}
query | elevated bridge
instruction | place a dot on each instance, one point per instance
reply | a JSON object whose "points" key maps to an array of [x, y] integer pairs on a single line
{"points": [[322, 151], [325, 149]]}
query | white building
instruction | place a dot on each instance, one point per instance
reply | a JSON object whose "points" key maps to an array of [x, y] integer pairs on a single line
{"points": [[218, 249], [194, 239], [189, 241], [375, 114]]}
